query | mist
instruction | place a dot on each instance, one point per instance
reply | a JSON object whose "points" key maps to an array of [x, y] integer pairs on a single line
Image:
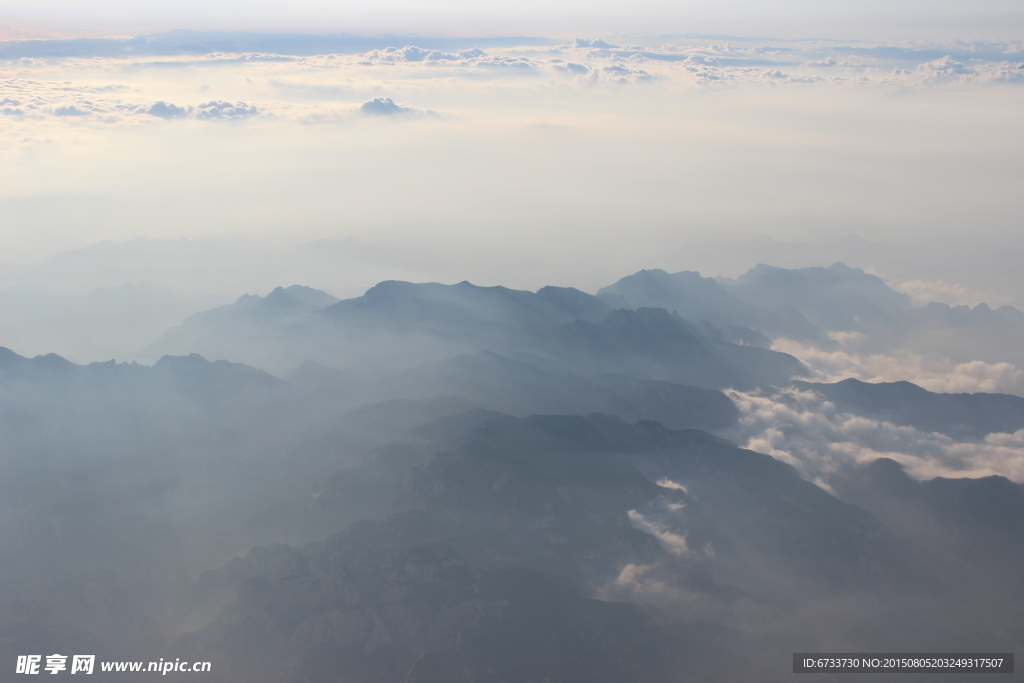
{"points": [[371, 349], [699, 146]]}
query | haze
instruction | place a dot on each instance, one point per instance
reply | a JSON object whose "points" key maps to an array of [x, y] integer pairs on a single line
{"points": [[521, 163], [510, 342]]}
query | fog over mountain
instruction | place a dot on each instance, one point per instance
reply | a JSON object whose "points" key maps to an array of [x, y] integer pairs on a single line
{"points": [[509, 342], [454, 482]]}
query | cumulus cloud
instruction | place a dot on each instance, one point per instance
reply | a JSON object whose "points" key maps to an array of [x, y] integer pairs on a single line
{"points": [[385, 106], [622, 74], [469, 60], [71, 110], [291, 84], [109, 104], [584, 42], [945, 68], [225, 110], [411, 53], [571, 68], [949, 70], [164, 110], [803, 430]]}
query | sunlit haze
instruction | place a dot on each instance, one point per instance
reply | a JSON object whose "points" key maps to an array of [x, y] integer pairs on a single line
{"points": [[505, 342]]}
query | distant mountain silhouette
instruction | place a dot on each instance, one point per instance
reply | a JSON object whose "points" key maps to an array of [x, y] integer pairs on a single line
{"points": [[697, 299], [837, 298], [807, 304], [397, 326], [192, 372]]}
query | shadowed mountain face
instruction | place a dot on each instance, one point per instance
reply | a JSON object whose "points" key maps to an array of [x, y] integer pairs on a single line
{"points": [[513, 529], [975, 512], [498, 383], [359, 608], [969, 530], [510, 532]]}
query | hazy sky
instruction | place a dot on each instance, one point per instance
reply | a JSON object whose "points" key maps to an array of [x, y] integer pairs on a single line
{"points": [[870, 19], [542, 160]]}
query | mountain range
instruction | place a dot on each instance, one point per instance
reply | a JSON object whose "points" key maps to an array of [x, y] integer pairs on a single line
{"points": [[437, 482]]}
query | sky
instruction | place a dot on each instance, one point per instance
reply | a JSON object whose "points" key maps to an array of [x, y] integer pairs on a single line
{"points": [[839, 19], [525, 143], [218, 148]]}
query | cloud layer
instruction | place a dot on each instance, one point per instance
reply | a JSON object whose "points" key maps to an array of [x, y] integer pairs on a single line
{"points": [[934, 373], [801, 429], [573, 144], [40, 79]]}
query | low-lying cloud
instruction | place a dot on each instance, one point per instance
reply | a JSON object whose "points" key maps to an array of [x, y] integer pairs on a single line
{"points": [[809, 433], [934, 373], [225, 110], [28, 100], [411, 53], [72, 95]]}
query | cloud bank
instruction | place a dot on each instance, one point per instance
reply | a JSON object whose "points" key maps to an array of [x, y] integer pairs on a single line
{"points": [[803, 430], [934, 373], [570, 142], [72, 95]]}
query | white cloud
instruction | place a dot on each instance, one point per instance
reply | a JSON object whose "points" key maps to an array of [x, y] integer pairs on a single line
{"points": [[667, 483], [164, 110], [713, 122], [584, 42], [944, 69], [225, 110], [73, 110], [385, 106], [923, 292], [622, 74], [571, 68], [411, 53], [673, 541], [73, 96], [803, 430], [931, 372], [112, 103]]}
